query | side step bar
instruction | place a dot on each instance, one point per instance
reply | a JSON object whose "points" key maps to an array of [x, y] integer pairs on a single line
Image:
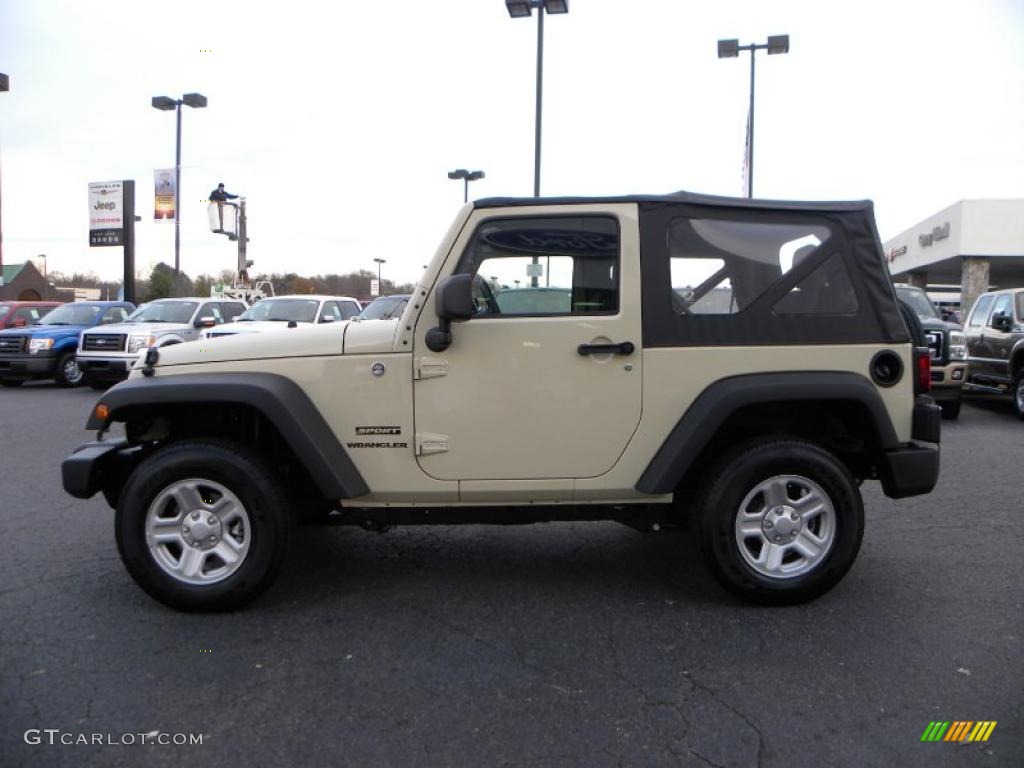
{"points": [[970, 387]]}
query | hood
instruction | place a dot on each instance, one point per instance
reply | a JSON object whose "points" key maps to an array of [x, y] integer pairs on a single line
{"points": [[45, 331], [301, 341], [254, 326], [934, 324], [142, 329]]}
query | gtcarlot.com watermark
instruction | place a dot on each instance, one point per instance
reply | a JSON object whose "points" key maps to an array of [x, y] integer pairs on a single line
{"points": [[56, 737]]}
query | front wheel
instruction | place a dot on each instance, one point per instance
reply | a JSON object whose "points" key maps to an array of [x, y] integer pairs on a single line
{"points": [[781, 522], [68, 372], [203, 525], [950, 408], [11, 382]]}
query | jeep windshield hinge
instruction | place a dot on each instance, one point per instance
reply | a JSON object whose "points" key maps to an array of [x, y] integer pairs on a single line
{"points": [[427, 443], [429, 368]]}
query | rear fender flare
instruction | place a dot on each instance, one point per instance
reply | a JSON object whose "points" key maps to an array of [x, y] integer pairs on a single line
{"points": [[710, 410]]}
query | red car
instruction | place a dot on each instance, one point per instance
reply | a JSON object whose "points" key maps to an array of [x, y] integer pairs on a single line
{"points": [[15, 314]]}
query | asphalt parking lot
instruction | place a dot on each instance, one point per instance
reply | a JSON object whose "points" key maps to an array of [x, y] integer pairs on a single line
{"points": [[545, 645]]}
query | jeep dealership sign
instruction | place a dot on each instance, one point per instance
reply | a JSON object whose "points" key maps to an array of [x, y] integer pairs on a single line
{"points": [[106, 213]]}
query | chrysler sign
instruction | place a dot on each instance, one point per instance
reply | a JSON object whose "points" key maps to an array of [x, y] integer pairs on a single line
{"points": [[106, 213]]}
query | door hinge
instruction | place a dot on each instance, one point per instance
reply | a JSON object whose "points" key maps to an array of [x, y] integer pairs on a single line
{"points": [[429, 368], [427, 443]]}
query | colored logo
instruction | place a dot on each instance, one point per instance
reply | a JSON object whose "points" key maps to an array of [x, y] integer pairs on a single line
{"points": [[959, 730]]}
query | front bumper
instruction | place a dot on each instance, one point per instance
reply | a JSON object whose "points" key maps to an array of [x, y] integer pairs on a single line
{"points": [[947, 381], [913, 469], [97, 466], [24, 367], [105, 368]]}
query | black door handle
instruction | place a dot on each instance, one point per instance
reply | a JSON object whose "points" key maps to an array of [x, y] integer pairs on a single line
{"points": [[625, 348]]}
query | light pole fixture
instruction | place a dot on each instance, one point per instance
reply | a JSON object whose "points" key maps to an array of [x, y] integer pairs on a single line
{"points": [[518, 9], [166, 104], [466, 176], [380, 284], [730, 49]]}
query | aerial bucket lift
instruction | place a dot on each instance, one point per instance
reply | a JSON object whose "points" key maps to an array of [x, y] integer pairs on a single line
{"points": [[227, 218]]}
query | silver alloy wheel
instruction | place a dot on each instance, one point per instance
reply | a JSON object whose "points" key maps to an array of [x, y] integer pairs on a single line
{"points": [[198, 531], [1019, 395], [785, 526], [72, 373]]}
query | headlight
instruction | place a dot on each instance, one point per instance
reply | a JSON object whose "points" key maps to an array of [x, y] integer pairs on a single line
{"points": [[36, 345], [957, 346], [135, 343]]}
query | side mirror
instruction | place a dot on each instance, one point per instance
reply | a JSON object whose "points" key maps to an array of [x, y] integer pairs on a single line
{"points": [[327, 319], [453, 302], [20, 322], [1002, 322], [206, 322]]}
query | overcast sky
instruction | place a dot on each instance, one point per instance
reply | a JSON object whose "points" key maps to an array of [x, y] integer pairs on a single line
{"points": [[339, 121]]}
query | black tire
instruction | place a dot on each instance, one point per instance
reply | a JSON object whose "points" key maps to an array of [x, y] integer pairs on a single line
{"points": [[11, 382], [243, 474], [68, 375], [1018, 393], [738, 474], [950, 409]]}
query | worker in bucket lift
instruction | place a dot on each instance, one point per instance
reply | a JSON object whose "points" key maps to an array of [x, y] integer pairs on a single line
{"points": [[221, 196]]}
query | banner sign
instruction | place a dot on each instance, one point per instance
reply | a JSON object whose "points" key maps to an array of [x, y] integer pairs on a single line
{"points": [[163, 194], [106, 213], [374, 287]]}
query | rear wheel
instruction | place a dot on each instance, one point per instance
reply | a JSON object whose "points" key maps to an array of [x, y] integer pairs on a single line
{"points": [[780, 522], [203, 526], [68, 373], [950, 409]]}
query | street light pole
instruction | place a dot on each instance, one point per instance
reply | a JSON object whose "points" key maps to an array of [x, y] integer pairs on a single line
{"points": [[380, 284], [5, 85], [537, 108], [520, 9], [165, 103], [730, 49], [177, 193]]}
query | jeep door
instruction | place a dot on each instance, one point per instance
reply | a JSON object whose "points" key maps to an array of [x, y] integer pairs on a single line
{"points": [[522, 393]]}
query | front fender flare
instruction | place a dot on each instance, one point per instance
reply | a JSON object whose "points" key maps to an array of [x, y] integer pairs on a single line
{"points": [[279, 399]]}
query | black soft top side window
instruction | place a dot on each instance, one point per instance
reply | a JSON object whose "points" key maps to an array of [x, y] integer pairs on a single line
{"points": [[721, 276]]}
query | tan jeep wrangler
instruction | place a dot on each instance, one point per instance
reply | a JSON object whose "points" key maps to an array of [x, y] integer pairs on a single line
{"points": [[643, 359]]}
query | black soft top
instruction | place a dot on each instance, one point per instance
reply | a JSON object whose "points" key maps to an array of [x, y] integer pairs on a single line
{"points": [[684, 197]]}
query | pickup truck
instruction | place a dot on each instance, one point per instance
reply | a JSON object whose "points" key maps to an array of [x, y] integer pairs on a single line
{"points": [[738, 366], [995, 345], [47, 349], [106, 355]]}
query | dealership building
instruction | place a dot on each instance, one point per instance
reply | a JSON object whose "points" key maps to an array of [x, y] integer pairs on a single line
{"points": [[962, 251]]}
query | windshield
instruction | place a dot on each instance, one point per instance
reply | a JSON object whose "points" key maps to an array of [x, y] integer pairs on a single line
{"points": [[918, 301], [72, 314], [299, 310], [384, 308], [164, 312]]}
